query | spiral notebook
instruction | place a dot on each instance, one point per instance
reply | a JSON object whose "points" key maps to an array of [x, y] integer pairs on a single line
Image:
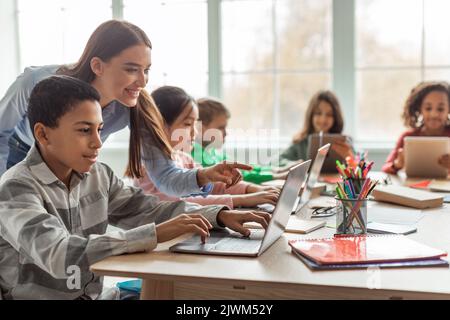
{"points": [[364, 249], [402, 264]]}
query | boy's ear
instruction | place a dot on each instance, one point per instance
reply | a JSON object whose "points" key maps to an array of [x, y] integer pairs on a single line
{"points": [[97, 66], [40, 134]]}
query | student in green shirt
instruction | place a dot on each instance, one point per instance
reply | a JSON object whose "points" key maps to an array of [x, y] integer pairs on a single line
{"points": [[213, 115]]}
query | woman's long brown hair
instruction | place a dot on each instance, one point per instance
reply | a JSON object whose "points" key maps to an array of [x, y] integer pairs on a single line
{"points": [[106, 42], [147, 117]]}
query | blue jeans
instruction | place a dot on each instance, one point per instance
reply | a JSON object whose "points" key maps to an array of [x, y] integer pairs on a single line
{"points": [[129, 295], [17, 150]]}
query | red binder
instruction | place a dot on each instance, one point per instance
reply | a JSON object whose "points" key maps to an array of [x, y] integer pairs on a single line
{"points": [[364, 249]]}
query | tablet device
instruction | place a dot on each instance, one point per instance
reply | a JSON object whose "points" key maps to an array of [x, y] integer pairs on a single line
{"points": [[317, 140], [422, 155]]}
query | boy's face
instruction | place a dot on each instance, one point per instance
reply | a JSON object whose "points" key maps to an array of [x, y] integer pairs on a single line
{"points": [[435, 110], [216, 130], [75, 143], [323, 119]]}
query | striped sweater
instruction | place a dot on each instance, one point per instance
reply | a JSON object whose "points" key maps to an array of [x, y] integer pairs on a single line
{"points": [[49, 235]]}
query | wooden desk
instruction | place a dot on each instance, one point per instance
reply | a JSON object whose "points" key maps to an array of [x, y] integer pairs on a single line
{"points": [[278, 274]]}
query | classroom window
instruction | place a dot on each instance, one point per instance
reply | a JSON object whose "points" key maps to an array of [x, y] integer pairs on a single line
{"points": [[177, 30], [274, 62], [392, 56], [50, 31], [179, 36], [275, 54]]}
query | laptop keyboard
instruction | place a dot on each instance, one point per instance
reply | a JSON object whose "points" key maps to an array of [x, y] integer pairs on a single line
{"points": [[234, 244], [239, 243], [266, 207]]}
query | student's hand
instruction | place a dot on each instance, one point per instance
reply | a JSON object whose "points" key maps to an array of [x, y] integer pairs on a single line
{"points": [[227, 173], [235, 220], [343, 149], [399, 162], [253, 199], [184, 223], [288, 166], [280, 176], [252, 188], [445, 161]]}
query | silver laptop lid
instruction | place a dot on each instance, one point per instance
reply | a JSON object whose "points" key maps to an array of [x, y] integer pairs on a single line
{"points": [[315, 172], [280, 216], [312, 177]]}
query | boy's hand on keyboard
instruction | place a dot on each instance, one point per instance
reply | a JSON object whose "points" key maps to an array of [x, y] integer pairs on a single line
{"points": [[253, 199], [235, 219], [252, 188], [184, 223]]}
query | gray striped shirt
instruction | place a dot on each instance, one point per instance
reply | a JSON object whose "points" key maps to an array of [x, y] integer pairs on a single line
{"points": [[49, 236]]}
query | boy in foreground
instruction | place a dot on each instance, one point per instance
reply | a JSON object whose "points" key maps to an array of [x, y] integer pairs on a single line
{"points": [[56, 204]]}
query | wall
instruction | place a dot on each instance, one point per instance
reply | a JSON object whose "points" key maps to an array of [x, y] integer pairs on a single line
{"points": [[9, 55]]}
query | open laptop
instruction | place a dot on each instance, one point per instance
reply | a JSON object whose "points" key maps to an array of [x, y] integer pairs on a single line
{"points": [[422, 155], [313, 176], [307, 188], [226, 242], [317, 140]]}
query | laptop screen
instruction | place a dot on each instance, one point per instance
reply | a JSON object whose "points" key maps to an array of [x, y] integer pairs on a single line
{"points": [[315, 172], [282, 212], [315, 141], [312, 178]]}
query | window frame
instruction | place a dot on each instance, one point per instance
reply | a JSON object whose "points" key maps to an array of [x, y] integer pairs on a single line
{"points": [[343, 68]]}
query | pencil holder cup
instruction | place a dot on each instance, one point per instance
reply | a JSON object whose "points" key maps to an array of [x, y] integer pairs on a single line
{"points": [[351, 218], [358, 184]]}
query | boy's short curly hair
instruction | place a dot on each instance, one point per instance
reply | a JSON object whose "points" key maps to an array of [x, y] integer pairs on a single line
{"points": [[411, 109], [53, 97]]}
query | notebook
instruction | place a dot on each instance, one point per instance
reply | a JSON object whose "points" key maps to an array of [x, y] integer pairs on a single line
{"points": [[407, 196], [432, 185], [439, 185], [376, 227], [364, 249], [420, 185], [295, 225], [404, 264]]}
